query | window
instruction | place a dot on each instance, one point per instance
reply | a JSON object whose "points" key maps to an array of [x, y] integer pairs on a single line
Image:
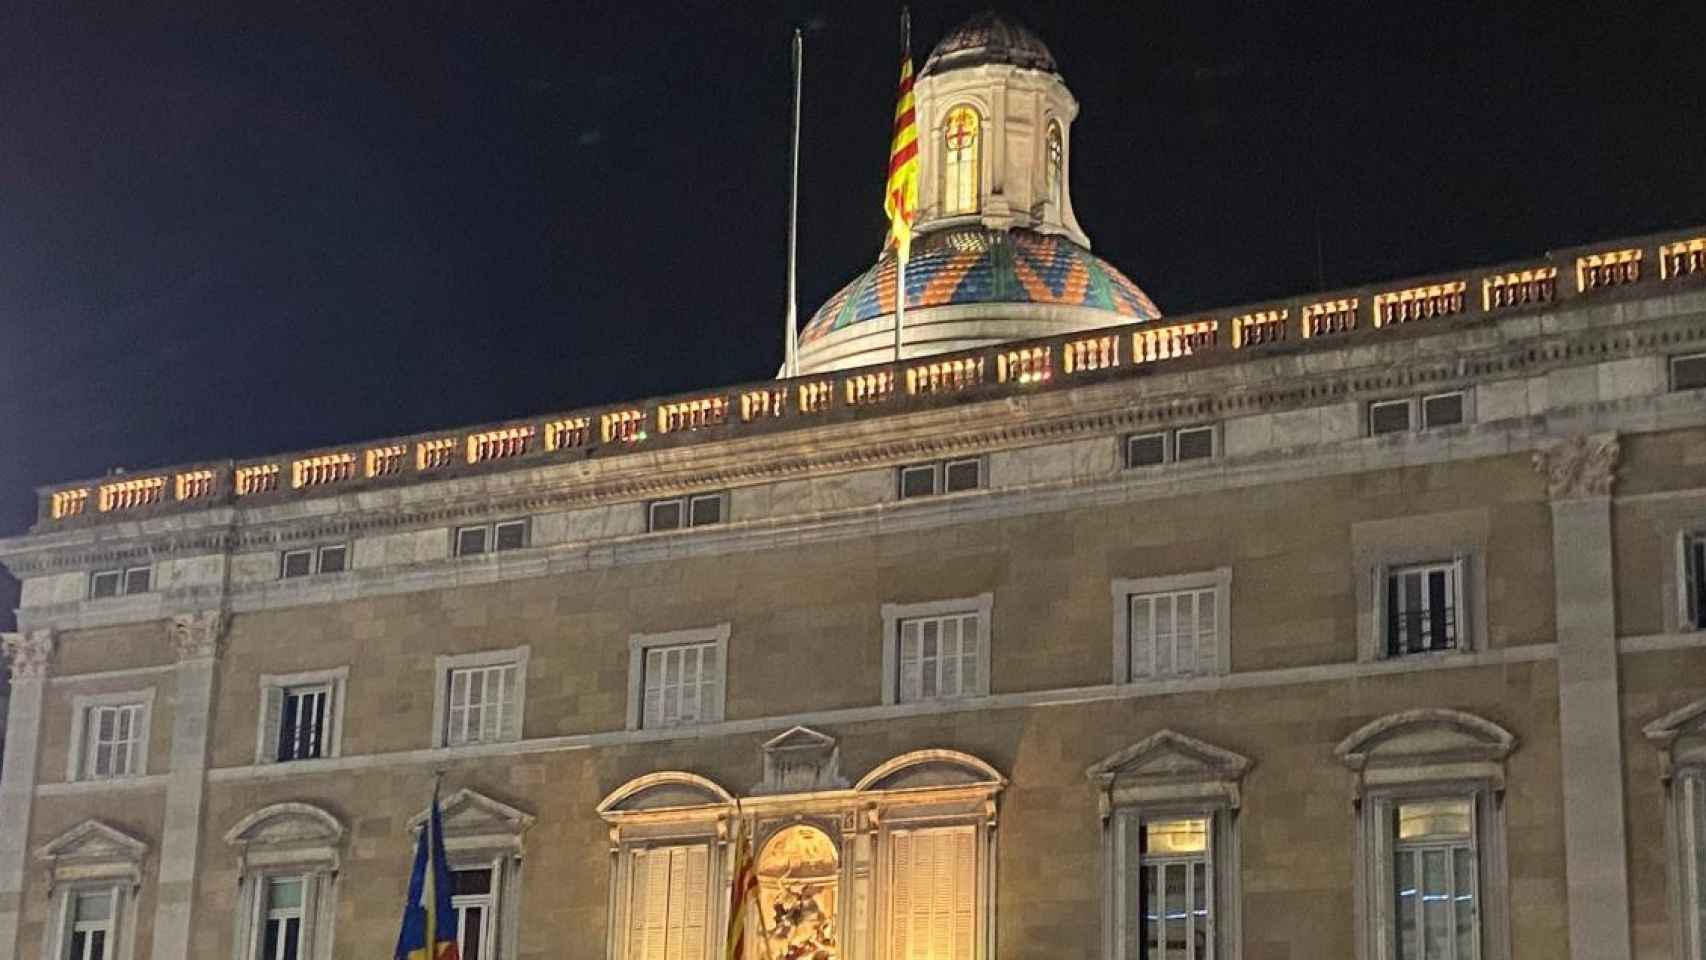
{"points": [[1688, 373], [1170, 845], [471, 898], [1172, 626], [669, 902], [1170, 446], [109, 735], [1429, 412], [1389, 416], [1689, 847], [480, 697], [676, 679], [489, 538], [89, 933], [1694, 580], [696, 511], [333, 558], [947, 476], [933, 893], [1431, 878], [301, 716], [961, 161], [1434, 879], [1442, 410], [937, 650], [1422, 604], [281, 926], [1055, 162], [114, 583]]}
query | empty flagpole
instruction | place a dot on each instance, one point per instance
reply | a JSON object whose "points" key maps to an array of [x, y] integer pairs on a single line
{"points": [[790, 349]]}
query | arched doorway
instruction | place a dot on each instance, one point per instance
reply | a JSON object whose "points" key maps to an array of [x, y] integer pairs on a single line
{"points": [[799, 887]]}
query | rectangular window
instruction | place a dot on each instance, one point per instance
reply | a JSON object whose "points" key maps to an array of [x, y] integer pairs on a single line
{"points": [[1688, 373], [1694, 576], [962, 475], [1436, 908], [334, 559], [481, 705], [682, 684], [1173, 446], [700, 510], [114, 583], [470, 541], [297, 563], [281, 927], [948, 476], [1173, 633], [669, 903], [1175, 888], [114, 742], [487, 538], [89, 932], [939, 657], [472, 899], [917, 481], [308, 561], [933, 893], [1146, 450], [1442, 410], [1422, 607], [1194, 443], [1388, 416], [303, 722], [510, 535]]}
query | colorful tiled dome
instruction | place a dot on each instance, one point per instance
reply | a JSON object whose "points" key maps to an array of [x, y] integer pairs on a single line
{"points": [[974, 265], [989, 38]]}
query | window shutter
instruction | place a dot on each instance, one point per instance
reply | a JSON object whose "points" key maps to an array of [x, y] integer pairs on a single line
{"points": [[1142, 638], [509, 716], [1130, 886], [933, 901], [971, 645], [1208, 631], [911, 667], [652, 713], [310, 916], [695, 932], [133, 763], [272, 712], [964, 893], [711, 693], [900, 895]]}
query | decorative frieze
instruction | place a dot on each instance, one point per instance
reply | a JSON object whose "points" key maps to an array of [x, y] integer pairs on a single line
{"points": [[1582, 466]]}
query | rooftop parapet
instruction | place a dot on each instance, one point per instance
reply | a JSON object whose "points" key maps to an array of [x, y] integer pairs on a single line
{"points": [[1315, 322]]}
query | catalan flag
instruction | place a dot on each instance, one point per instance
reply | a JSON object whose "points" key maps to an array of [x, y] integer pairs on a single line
{"points": [[743, 897], [429, 923], [900, 198]]}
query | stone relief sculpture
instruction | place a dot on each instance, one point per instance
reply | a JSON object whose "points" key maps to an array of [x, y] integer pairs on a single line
{"points": [[798, 890], [1581, 466]]}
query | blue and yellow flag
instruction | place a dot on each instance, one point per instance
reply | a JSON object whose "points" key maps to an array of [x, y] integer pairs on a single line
{"points": [[429, 923]]}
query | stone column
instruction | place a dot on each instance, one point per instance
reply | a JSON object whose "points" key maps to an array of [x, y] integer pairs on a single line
{"points": [[29, 654], [1579, 474], [197, 639]]}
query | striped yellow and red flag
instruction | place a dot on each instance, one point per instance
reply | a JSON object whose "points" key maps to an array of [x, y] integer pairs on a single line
{"points": [[900, 197], [743, 896]]}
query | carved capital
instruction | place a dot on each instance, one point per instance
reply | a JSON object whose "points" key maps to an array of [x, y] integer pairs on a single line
{"points": [[1582, 466], [29, 653], [198, 636]]}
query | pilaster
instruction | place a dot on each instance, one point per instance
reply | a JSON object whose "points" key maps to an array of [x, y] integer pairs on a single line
{"points": [[198, 639], [1579, 474], [29, 654]]}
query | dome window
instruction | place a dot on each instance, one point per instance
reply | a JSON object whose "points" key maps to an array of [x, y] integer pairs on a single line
{"points": [[1055, 162], [960, 161]]}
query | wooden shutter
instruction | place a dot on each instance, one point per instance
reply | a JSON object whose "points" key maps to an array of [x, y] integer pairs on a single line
{"points": [[1142, 637], [509, 726], [694, 933], [1208, 631], [910, 682], [933, 894], [668, 904], [651, 713]]}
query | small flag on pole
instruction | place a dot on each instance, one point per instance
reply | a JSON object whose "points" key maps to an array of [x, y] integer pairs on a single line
{"points": [[900, 198], [743, 897], [429, 923]]}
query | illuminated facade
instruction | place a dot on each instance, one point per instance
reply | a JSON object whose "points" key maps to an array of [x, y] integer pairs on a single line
{"points": [[1368, 623]]}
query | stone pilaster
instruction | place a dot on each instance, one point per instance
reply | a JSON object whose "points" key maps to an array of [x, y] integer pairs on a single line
{"points": [[1579, 474], [29, 654], [198, 639]]}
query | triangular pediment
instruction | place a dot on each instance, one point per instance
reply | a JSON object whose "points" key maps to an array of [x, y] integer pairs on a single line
{"points": [[1170, 757], [1429, 737], [800, 760], [799, 738], [93, 842], [471, 813]]}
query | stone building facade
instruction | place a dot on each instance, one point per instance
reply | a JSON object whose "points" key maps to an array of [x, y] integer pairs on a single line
{"points": [[1363, 624]]}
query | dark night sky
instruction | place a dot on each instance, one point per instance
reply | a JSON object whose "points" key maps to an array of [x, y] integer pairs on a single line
{"points": [[225, 233]]}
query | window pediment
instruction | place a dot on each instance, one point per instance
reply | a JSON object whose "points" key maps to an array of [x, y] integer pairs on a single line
{"points": [[1429, 744], [93, 850], [666, 790], [925, 769], [288, 833], [800, 760], [1681, 735], [474, 821], [1169, 766]]}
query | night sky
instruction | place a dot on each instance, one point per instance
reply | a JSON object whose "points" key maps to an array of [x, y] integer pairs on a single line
{"points": [[229, 233]]}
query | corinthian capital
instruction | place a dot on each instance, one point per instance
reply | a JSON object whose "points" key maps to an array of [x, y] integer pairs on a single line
{"points": [[198, 636], [28, 652], [1582, 466]]}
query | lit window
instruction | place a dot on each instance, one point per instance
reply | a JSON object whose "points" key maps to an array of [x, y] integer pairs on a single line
{"points": [[948, 476], [683, 684], [1694, 579], [114, 741], [1688, 373], [307, 561], [89, 933], [114, 583], [932, 892], [960, 161], [668, 902], [1056, 162], [1434, 880], [487, 538], [481, 707], [472, 898], [281, 927], [1174, 888], [1423, 605], [699, 510], [1170, 446]]}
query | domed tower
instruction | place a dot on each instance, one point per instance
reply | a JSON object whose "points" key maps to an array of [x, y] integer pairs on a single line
{"points": [[998, 253]]}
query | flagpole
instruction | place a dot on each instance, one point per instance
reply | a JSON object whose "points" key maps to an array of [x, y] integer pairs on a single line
{"points": [[790, 344], [900, 252]]}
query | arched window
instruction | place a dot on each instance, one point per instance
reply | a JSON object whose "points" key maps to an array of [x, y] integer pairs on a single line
{"points": [[1055, 162], [960, 161]]}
